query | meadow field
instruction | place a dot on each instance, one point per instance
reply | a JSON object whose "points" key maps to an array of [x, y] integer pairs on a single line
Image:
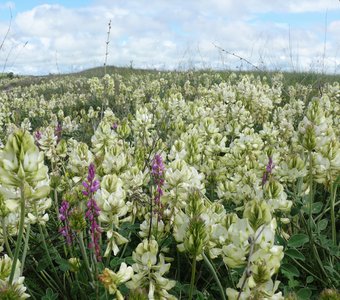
{"points": [[142, 184]]}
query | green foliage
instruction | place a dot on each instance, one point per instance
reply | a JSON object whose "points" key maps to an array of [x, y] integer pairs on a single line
{"points": [[50, 295]]}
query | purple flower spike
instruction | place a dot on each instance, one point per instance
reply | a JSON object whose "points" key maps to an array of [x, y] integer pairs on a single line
{"points": [[270, 166], [57, 132], [37, 135], [91, 185], [157, 173], [269, 169], [92, 213], [91, 173], [64, 213]]}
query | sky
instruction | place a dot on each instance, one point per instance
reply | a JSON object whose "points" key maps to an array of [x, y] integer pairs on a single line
{"points": [[65, 36]]}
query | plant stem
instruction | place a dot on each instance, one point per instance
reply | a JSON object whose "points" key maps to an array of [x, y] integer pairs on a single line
{"points": [[309, 272], [46, 278], [326, 210], [21, 229], [23, 258], [192, 281], [332, 205], [150, 227], [312, 245], [311, 196], [4, 234], [310, 220], [86, 260], [49, 257], [213, 272], [178, 271], [56, 204]]}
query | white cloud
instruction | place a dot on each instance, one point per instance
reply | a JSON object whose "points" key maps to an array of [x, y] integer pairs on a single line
{"points": [[7, 5], [167, 34]]}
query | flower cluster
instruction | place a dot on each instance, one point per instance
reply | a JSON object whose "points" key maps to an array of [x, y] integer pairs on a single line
{"points": [[64, 217], [112, 280], [16, 289], [149, 269], [241, 151], [91, 186], [157, 174]]}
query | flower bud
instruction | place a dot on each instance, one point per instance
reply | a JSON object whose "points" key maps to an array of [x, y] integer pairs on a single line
{"points": [[308, 139], [196, 238], [124, 129], [273, 189], [258, 213], [20, 160], [329, 294], [74, 264], [77, 220], [62, 148]]}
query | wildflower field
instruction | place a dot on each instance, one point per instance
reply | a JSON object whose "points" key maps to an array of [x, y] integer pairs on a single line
{"points": [[170, 185]]}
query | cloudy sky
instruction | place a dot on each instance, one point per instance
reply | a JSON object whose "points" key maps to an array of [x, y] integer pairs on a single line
{"points": [[69, 35]]}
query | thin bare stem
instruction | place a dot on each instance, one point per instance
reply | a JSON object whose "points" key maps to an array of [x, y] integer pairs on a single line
{"points": [[4, 235], [8, 29], [20, 232], [252, 242], [239, 57], [107, 46]]}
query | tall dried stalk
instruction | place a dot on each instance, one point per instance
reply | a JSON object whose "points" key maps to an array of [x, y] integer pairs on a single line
{"points": [[107, 46]]}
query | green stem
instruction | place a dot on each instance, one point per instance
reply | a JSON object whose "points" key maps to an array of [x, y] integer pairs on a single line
{"points": [[23, 258], [86, 260], [309, 272], [332, 205], [310, 220], [129, 236], [312, 245], [326, 210], [49, 256], [178, 274], [213, 272], [47, 279], [56, 204], [4, 234], [311, 196], [192, 281], [95, 267], [125, 246], [80, 289], [21, 229], [150, 227]]}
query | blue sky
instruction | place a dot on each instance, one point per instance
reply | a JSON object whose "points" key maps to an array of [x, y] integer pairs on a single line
{"points": [[67, 36]]}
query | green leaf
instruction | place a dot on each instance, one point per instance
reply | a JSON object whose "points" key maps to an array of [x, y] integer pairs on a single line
{"points": [[294, 211], [322, 224], [50, 295], [129, 260], [116, 262], [310, 279], [290, 270], [292, 283], [42, 265], [293, 253], [279, 240], [317, 207], [298, 240], [304, 293], [64, 265]]}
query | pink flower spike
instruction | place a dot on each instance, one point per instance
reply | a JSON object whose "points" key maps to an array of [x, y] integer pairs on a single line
{"points": [[92, 212]]}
